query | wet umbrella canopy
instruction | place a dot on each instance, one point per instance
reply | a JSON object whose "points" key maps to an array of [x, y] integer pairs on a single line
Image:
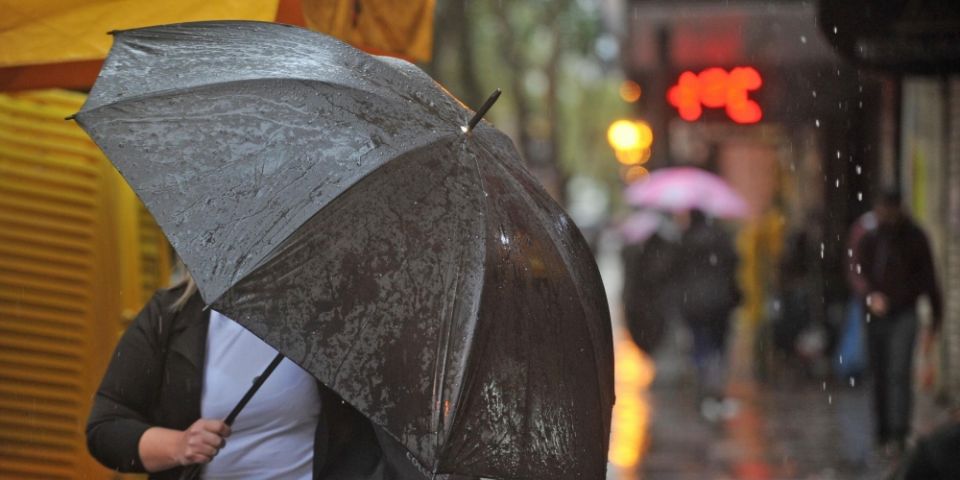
{"points": [[333, 204]]}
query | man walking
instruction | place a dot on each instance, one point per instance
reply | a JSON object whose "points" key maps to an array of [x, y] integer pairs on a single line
{"points": [[896, 268]]}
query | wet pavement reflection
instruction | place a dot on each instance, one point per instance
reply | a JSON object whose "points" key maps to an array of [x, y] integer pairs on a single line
{"points": [[785, 428], [801, 431]]}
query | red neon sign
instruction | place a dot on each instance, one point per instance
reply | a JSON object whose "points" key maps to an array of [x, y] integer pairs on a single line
{"points": [[717, 88]]}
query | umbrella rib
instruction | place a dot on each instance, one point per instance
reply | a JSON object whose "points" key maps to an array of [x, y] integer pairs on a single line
{"points": [[228, 83], [440, 369], [570, 274]]}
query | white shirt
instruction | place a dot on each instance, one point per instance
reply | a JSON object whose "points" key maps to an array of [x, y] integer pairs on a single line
{"points": [[274, 434]]}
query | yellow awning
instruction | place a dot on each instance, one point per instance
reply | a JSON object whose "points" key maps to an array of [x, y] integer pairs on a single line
{"points": [[60, 43], [401, 28], [53, 31]]}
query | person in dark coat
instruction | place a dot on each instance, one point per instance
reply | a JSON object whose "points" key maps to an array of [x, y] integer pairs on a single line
{"points": [[708, 290], [648, 289], [895, 269], [146, 414]]}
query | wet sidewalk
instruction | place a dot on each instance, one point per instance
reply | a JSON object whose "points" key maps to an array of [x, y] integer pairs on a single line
{"points": [[798, 432], [784, 429]]}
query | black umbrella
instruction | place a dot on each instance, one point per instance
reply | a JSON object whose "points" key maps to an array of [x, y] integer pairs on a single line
{"points": [[337, 205]]}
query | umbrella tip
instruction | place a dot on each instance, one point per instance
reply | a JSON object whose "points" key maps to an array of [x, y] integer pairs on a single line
{"points": [[483, 110], [70, 117]]}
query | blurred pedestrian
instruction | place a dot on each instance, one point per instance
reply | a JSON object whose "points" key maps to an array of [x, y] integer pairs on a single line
{"points": [[708, 290], [180, 368], [795, 294], [894, 269], [648, 293]]}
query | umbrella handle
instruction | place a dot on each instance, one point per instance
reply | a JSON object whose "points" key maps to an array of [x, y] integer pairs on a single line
{"points": [[193, 471]]}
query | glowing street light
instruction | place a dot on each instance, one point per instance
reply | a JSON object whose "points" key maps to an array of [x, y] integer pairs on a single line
{"points": [[629, 135], [631, 141]]}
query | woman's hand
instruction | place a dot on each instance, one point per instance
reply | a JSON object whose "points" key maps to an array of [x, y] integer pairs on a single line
{"points": [[201, 442], [163, 448]]}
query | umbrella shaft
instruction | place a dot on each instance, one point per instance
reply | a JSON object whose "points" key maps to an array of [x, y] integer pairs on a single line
{"points": [[193, 471]]}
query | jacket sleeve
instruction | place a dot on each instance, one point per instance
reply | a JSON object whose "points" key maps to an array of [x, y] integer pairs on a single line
{"points": [[928, 278], [119, 415]]}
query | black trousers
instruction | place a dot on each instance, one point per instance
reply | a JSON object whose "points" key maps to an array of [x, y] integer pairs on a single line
{"points": [[891, 340]]}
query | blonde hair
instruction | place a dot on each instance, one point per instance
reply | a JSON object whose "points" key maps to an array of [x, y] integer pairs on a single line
{"points": [[182, 278]]}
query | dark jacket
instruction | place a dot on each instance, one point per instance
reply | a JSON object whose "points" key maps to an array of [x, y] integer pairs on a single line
{"points": [[649, 295], [155, 378], [895, 260], [707, 272]]}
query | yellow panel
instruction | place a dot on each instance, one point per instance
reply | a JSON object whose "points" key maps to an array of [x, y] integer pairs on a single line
{"points": [[41, 224], [43, 176], [18, 205], [13, 279], [44, 271], [68, 30], [40, 144], [15, 468], [40, 362], [72, 236], [63, 163]]}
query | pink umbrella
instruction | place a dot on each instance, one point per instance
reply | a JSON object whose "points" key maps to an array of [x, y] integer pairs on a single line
{"points": [[680, 189], [640, 225]]}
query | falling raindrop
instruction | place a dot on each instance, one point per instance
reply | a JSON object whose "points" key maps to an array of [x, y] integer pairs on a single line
{"points": [[853, 382], [822, 249], [859, 196], [803, 39], [814, 92], [817, 122], [838, 154], [834, 29], [859, 170], [836, 183], [850, 252]]}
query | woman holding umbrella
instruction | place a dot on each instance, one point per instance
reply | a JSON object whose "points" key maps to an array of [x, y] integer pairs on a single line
{"points": [[349, 212], [178, 369]]}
